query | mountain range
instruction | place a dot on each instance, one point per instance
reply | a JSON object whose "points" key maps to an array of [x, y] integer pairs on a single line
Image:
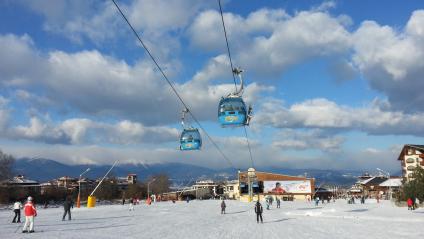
{"points": [[46, 169]]}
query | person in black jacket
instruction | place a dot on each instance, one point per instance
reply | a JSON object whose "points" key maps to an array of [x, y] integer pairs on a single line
{"points": [[258, 211], [223, 206], [67, 205]]}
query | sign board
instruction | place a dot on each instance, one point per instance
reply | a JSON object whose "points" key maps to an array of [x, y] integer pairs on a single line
{"points": [[280, 187]]}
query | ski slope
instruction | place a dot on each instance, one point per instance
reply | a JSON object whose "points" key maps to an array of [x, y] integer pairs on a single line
{"points": [[202, 219]]}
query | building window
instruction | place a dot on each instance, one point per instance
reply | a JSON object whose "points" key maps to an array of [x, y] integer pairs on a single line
{"points": [[410, 151], [410, 168], [410, 160]]}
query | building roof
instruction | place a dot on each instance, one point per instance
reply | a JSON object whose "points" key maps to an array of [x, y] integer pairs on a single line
{"points": [[374, 181], [393, 182], [264, 176], [419, 147], [20, 180]]}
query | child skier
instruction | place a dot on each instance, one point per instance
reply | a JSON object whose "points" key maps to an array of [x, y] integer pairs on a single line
{"points": [[30, 213], [223, 206]]}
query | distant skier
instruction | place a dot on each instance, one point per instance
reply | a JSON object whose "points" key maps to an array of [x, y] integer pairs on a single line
{"points": [[223, 206], [67, 205], [123, 201], [30, 213], [410, 203], [267, 203], [258, 211], [17, 206], [316, 201], [278, 202], [132, 202]]}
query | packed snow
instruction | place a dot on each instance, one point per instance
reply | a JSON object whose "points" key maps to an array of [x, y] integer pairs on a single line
{"points": [[202, 219]]}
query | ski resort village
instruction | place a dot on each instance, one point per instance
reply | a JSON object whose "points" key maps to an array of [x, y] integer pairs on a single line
{"points": [[211, 119]]}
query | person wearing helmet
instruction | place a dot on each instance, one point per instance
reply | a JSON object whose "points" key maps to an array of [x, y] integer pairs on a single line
{"points": [[30, 213]]}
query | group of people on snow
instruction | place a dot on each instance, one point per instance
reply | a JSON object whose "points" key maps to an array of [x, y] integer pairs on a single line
{"points": [[411, 203], [30, 213]]}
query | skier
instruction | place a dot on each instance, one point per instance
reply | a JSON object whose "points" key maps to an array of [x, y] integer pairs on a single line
{"points": [[316, 201], [132, 201], [223, 206], [67, 205], [30, 213], [17, 206], [258, 211], [267, 203], [278, 202], [410, 203]]}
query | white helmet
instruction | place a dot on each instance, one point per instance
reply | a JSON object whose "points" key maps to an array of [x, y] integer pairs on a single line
{"points": [[29, 199]]}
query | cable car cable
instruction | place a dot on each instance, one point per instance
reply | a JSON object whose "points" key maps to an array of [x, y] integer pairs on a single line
{"points": [[234, 78], [172, 86], [228, 46], [248, 145]]}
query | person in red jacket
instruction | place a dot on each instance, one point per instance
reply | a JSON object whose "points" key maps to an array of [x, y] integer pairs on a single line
{"points": [[410, 204], [30, 213]]}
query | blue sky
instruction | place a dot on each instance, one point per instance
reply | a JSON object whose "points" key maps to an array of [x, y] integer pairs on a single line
{"points": [[334, 84]]}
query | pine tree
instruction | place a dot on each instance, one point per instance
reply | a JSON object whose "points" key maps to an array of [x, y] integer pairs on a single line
{"points": [[415, 187]]}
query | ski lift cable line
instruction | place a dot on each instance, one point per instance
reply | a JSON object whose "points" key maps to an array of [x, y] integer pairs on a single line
{"points": [[248, 145], [172, 85], [228, 45], [234, 78]]}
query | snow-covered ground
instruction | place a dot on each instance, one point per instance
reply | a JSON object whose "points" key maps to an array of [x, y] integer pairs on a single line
{"points": [[202, 219]]}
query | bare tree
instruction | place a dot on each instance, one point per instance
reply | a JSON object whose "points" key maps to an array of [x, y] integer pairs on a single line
{"points": [[161, 184], [6, 163]]}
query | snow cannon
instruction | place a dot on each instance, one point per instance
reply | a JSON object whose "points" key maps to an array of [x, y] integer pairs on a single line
{"points": [[91, 202]]}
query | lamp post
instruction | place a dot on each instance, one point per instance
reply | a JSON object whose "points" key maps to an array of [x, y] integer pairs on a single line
{"points": [[390, 185], [148, 187], [250, 176], [79, 188]]}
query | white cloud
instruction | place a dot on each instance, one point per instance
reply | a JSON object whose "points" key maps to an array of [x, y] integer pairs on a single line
{"points": [[4, 113], [206, 31], [393, 61], [269, 41], [19, 61], [303, 140], [85, 131], [97, 84], [96, 21], [325, 114]]}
